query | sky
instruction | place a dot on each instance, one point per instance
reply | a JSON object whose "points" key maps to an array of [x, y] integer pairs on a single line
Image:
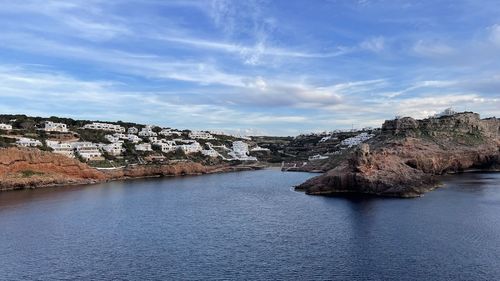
{"points": [[255, 67]]}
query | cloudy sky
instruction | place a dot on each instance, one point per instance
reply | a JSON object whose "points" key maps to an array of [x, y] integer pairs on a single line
{"points": [[264, 67]]}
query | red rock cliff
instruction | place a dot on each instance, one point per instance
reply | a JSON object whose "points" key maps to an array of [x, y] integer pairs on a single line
{"points": [[404, 160], [25, 168]]}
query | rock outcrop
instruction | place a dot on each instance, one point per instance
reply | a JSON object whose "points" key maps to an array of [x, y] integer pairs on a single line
{"points": [[408, 155], [140, 171], [22, 168], [29, 168]]}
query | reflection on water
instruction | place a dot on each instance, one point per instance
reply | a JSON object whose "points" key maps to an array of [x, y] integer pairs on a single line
{"points": [[249, 225]]}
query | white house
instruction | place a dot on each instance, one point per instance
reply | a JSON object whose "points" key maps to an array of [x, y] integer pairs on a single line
{"points": [[88, 151], [134, 138], [166, 146], [240, 151], [190, 148], [353, 141], [240, 148], [210, 153], [169, 132], [105, 127], [143, 147], [147, 132], [201, 135], [27, 142], [115, 148], [258, 148], [215, 132], [447, 112], [63, 148], [5, 127], [112, 138], [121, 136], [133, 130], [55, 127]]}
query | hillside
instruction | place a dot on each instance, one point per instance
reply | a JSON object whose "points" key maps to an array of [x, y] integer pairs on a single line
{"points": [[116, 144], [408, 155]]}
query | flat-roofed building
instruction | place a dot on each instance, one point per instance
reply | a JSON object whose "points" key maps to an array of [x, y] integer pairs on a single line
{"points": [[105, 127], [55, 127]]}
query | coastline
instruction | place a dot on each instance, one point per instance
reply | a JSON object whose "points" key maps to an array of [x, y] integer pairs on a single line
{"points": [[84, 182]]}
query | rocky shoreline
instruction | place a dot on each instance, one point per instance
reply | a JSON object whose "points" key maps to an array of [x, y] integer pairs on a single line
{"points": [[33, 168], [407, 159]]}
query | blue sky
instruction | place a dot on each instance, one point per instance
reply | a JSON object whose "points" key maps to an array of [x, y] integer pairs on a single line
{"points": [[260, 67]]}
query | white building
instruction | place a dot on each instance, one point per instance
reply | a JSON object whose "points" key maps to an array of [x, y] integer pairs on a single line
{"points": [[166, 146], [215, 132], [210, 153], [240, 148], [190, 148], [63, 148], [258, 148], [133, 130], [105, 127], [27, 142], [112, 138], [353, 141], [55, 127], [134, 138], [447, 112], [143, 147], [88, 150], [184, 141], [5, 127], [121, 136], [114, 149], [169, 132], [147, 132], [240, 151], [201, 135]]}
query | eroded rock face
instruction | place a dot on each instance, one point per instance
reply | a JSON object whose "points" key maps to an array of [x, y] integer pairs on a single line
{"points": [[27, 168], [405, 159], [32, 168], [183, 168]]}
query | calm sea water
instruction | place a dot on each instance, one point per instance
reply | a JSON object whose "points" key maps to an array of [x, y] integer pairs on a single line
{"points": [[249, 226]]}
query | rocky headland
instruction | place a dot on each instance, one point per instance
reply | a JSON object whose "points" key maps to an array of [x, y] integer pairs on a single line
{"points": [[407, 157], [24, 168]]}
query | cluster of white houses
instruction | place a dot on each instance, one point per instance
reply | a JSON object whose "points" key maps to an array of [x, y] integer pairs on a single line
{"points": [[354, 141], [144, 140]]}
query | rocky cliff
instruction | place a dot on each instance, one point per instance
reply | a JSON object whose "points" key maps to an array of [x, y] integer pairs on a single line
{"points": [[33, 168], [406, 157], [138, 171], [29, 168]]}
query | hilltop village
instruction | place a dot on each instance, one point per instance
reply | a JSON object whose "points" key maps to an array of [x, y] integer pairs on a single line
{"points": [[37, 151], [108, 145]]}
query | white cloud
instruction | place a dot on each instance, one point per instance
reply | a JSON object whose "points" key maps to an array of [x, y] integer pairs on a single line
{"points": [[495, 34], [84, 19], [375, 44], [432, 49]]}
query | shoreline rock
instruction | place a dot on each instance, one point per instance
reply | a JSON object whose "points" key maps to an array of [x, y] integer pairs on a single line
{"points": [[409, 155], [32, 168]]}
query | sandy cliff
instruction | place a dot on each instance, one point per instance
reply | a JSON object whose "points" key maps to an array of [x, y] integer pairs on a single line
{"points": [[406, 158]]}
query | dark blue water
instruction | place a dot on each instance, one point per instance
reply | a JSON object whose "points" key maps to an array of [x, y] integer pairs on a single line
{"points": [[249, 226]]}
